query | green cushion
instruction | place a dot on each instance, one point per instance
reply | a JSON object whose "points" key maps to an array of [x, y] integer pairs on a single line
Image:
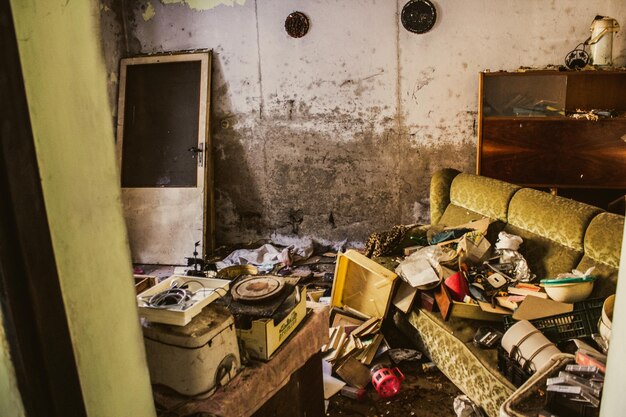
{"points": [[603, 245], [440, 192], [555, 218], [545, 258], [603, 238], [482, 195]]}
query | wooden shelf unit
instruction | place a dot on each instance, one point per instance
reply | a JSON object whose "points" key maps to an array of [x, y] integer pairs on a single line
{"points": [[526, 136]]}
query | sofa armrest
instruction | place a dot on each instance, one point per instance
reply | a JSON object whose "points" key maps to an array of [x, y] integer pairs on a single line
{"points": [[440, 192]]}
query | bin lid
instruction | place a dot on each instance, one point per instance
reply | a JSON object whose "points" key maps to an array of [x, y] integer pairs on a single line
{"points": [[198, 332]]}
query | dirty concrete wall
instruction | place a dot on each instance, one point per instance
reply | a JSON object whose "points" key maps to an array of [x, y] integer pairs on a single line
{"points": [[336, 134]]}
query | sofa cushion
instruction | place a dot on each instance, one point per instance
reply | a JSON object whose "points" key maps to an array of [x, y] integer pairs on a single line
{"points": [[558, 219], [482, 195], [603, 245]]}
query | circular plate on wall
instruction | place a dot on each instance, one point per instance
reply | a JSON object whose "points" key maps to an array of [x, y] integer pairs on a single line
{"points": [[297, 24], [419, 16]]}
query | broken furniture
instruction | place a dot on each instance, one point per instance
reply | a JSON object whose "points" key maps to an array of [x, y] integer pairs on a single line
{"points": [[527, 135], [559, 235], [288, 385]]}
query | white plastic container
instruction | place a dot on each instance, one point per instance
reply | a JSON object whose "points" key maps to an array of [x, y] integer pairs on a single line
{"points": [[528, 345], [602, 29], [197, 358]]}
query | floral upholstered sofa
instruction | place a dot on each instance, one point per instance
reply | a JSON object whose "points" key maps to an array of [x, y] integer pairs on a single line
{"points": [[559, 235]]}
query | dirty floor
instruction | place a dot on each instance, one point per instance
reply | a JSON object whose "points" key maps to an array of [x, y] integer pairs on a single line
{"points": [[422, 394]]}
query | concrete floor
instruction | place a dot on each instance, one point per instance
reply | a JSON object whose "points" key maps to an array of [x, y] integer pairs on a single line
{"points": [[422, 394]]}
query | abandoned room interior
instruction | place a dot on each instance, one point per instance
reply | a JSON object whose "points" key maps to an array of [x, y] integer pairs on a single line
{"points": [[228, 208]]}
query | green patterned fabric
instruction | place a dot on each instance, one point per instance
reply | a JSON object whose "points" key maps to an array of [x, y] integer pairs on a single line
{"points": [[482, 195], [545, 257], [603, 238], [472, 370], [603, 244], [559, 235], [559, 219], [440, 192]]}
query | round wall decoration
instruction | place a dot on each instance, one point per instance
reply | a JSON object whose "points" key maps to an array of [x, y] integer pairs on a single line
{"points": [[297, 24], [418, 16]]}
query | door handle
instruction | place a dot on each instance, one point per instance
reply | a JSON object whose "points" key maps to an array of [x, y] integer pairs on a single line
{"points": [[197, 151]]}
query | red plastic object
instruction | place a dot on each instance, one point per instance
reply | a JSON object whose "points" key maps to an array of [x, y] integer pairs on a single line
{"points": [[387, 381], [458, 286]]}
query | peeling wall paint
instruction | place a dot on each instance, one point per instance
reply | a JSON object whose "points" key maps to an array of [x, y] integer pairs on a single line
{"points": [[346, 125], [205, 4], [148, 12]]}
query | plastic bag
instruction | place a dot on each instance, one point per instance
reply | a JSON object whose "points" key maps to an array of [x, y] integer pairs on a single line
{"points": [[507, 247]]}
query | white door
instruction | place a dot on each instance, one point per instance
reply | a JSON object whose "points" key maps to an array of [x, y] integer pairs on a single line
{"points": [[164, 150]]}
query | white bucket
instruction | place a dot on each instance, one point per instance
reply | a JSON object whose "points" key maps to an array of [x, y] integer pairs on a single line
{"points": [[528, 346], [602, 29]]}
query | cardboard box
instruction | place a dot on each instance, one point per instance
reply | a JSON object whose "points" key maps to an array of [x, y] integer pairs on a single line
{"points": [[265, 336], [362, 284]]}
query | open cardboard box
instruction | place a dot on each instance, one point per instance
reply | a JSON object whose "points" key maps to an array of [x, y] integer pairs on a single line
{"points": [[265, 336]]}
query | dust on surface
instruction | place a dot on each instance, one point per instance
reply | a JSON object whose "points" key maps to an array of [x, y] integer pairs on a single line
{"points": [[422, 394]]}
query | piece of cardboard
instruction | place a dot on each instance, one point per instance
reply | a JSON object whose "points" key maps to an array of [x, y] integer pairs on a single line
{"points": [[537, 308], [405, 297], [488, 308], [418, 272], [354, 373], [474, 246], [427, 301], [339, 317], [370, 351]]}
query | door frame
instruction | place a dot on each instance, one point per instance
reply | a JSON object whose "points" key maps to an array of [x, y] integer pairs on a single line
{"points": [[35, 320]]}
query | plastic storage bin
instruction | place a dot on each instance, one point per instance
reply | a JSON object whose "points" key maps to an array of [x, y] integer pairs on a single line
{"points": [[581, 322]]}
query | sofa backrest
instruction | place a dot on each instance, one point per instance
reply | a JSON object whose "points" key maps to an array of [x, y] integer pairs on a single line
{"points": [[553, 229], [470, 197], [559, 234], [603, 246]]}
